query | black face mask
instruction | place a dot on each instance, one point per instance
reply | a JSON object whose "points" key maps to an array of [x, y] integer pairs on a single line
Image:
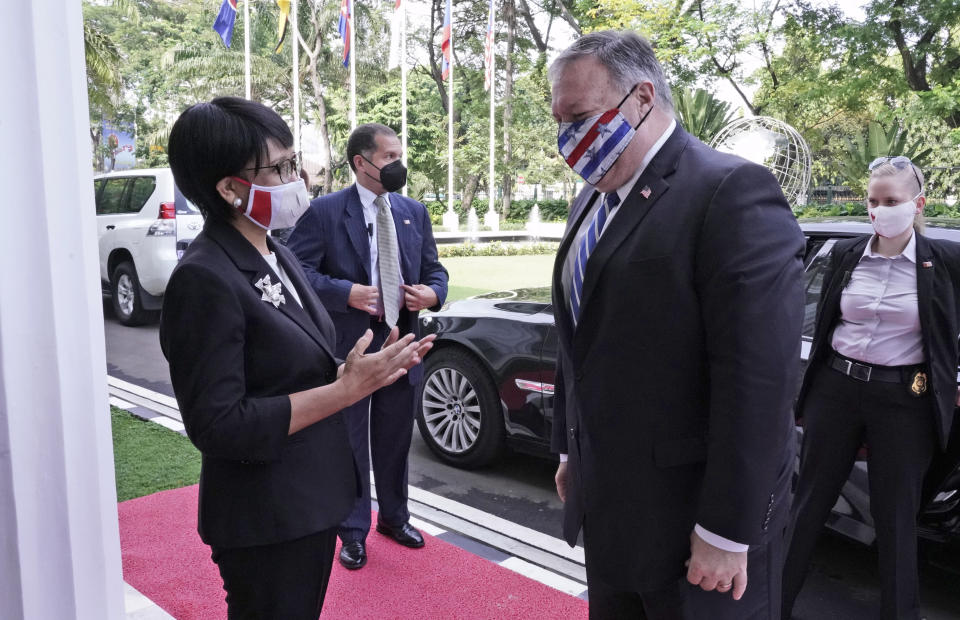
{"points": [[393, 176]]}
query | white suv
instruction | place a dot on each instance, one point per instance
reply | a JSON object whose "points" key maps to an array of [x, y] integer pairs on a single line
{"points": [[144, 224]]}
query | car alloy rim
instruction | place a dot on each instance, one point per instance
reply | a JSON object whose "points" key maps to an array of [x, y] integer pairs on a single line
{"points": [[125, 294], [451, 410]]}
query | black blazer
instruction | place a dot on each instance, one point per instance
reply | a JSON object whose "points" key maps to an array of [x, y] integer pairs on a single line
{"points": [[938, 284], [333, 245], [234, 359], [674, 394]]}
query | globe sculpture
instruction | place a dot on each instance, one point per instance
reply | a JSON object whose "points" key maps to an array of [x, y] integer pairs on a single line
{"points": [[773, 144]]}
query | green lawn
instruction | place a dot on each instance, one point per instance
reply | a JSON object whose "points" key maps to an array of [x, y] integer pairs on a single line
{"points": [[473, 275], [149, 458]]}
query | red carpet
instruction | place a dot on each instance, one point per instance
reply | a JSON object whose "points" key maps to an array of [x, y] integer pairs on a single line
{"points": [[164, 559]]}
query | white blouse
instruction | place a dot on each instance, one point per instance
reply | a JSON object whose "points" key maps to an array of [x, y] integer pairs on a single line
{"points": [[879, 313]]}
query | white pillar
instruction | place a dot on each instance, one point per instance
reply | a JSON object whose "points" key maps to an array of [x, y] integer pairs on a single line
{"points": [[59, 543]]}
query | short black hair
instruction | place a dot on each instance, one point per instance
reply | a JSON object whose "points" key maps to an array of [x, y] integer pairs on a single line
{"points": [[218, 139], [363, 140]]}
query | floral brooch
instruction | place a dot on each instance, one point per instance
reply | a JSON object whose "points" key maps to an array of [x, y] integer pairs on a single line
{"points": [[271, 292]]}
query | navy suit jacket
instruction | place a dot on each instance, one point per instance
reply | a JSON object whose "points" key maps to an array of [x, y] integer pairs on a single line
{"points": [[333, 245], [674, 393], [234, 359]]}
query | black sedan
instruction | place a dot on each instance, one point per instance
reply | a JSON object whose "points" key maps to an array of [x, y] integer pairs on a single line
{"points": [[488, 385]]}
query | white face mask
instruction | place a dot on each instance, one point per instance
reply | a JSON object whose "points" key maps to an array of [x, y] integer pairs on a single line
{"points": [[276, 206], [894, 220]]}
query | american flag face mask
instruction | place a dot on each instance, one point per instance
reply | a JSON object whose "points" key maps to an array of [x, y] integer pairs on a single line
{"points": [[591, 146]]}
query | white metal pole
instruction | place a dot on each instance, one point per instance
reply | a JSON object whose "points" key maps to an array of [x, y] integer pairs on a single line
{"points": [[246, 46], [295, 43], [450, 128], [403, 83], [353, 66], [492, 220]]}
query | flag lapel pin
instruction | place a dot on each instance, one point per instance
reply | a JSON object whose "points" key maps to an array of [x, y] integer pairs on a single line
{"points": [[927, 264], [645, 192], [406, 221]]}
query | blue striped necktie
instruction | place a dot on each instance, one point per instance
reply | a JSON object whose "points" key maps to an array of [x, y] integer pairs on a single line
{"points": [[587, 244]]}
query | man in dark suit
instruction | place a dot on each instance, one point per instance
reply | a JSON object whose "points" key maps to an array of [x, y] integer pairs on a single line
{"points": [[370, 255], [678, 301]]}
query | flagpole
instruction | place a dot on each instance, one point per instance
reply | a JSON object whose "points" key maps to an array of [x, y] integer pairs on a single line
{"points": [[295, 43], [491, 218], [353, 69], [403, 83], [246, 45], [450, 127]]}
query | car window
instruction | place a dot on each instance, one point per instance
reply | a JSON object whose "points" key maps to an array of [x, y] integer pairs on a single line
{"points": [[184, 206], [141, 188], [110, 199], [817, 264]]}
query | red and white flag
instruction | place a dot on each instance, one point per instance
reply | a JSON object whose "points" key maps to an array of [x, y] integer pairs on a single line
{"points": [[488, 52], [396, 26]]}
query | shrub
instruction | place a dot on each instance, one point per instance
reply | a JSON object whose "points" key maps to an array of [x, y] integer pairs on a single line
{"points": [[550, 210], [496, 249]]}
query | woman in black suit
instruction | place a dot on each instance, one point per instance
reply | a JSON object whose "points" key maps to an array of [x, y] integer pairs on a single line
{"points": [[883, 370], [251, 359]]}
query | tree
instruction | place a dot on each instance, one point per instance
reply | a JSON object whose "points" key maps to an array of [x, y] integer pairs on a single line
{"points": [[700, 113], [878, 142]]}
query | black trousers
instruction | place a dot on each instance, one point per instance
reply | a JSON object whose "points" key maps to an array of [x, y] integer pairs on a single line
{"points": [[283, 580], [380, 427], [839, 414], [682, 601]]}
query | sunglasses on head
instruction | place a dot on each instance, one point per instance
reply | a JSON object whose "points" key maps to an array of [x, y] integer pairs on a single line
{"points": [[900, 162]]}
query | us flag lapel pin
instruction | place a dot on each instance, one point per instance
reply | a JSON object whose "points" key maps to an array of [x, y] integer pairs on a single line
{"points": [[928, 264], [406, 221], [645, 192]]}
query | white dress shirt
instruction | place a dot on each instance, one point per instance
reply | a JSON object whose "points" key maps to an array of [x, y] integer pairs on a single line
{"points": [[879, 314], [370, 219]]}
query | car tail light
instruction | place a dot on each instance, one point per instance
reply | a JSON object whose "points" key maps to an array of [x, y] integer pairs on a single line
{"points": [[168, 210]]}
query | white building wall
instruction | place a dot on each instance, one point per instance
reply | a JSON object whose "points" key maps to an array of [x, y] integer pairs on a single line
{"points": [[59, 543]]}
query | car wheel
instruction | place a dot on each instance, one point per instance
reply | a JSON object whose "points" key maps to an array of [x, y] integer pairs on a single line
{"points": [[125, 291], [459, 413]]}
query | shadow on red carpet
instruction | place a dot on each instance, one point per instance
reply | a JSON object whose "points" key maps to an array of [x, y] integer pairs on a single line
{"points": [[164, 558]]}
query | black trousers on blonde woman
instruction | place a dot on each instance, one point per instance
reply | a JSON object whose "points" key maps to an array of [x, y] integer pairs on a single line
{"points": [[839, 414]]}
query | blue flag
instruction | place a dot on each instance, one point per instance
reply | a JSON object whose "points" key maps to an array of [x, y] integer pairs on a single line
{"points": [[224, 22]]}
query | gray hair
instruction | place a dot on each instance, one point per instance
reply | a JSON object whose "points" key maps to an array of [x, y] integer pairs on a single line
{"points": [[628, 58]]}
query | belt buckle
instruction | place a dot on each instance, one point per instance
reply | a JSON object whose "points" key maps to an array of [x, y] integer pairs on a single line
{"points": [[859, 372]]}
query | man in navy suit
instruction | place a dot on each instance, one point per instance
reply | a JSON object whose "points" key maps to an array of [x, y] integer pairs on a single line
{"points": [[370, 255], [678, 302]]}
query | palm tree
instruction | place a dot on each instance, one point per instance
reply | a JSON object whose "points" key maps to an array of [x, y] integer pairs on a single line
{"points": [[700, 113]]}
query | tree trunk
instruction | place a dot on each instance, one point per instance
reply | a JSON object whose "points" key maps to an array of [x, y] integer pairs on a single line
{"points": [[470, 192], [325, 152], [510, 19]]}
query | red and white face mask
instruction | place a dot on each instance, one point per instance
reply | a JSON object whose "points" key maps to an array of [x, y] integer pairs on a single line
{"points": [[275, 206]]}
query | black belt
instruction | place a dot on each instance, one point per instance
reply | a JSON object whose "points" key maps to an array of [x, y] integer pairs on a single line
{"points": [[870, 372]]}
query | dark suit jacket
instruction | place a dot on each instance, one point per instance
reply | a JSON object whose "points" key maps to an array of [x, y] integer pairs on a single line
{"points": [[234, 359], [937, 288], [673, 397], [333, 246]]}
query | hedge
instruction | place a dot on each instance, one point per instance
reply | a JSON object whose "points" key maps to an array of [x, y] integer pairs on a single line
{"points": [[931, 210], [496, 249]]}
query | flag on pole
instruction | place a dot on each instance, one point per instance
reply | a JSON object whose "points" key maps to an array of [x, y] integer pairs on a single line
{"points": [[344, 28], [488, 52], [395, 27], [282, 24], [223, 25], [446, 44]]}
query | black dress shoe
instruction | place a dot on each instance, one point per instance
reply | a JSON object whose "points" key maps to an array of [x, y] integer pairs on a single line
{"points": [[406, 534], [353, 554]]}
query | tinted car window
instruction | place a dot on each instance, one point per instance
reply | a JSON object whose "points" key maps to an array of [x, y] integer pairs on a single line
{"points": [[110, 200], [813, 284], [183, 206], [140, 191]]}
